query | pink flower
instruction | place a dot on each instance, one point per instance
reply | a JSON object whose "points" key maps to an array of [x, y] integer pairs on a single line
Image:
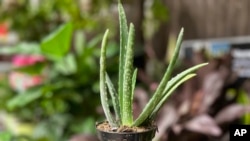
{"points": [[20, 81], [25, 60], [3, 29]]}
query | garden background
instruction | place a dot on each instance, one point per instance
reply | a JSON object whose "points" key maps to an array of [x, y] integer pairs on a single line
{"points": [[49, 88]]}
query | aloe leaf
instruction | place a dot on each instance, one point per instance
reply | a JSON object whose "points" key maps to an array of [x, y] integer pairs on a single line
{"points": [[127, 116], [133, 84], [159, 91], [103, 90], [114, 97], [170, 91], [177, 78], [123, 42], [174, 81]]}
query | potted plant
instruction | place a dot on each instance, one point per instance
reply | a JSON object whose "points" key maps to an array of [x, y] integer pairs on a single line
{"points": [[121, 126]]}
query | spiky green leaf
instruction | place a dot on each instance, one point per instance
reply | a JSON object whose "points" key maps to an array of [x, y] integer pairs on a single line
{"points": [[127, 115], [180, 76], [103, 90], [159, 91], [123, 42], [133, 84], [114, 97], [173, 82], [170, 91]]}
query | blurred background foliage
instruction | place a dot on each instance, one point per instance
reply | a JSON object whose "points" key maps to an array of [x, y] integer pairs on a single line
{"points": [[65, 35], [33, 19], [51, 90], [67, 99]]}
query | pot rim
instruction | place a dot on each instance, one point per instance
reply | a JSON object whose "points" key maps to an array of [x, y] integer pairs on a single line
{"points": [[149, 129]]}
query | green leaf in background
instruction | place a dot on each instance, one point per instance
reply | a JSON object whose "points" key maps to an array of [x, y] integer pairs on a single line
{"points": [[80, 42], [51, 129], [35, 69], [24, 98], [22, 48], [243, 99], [67, 65], [86, 126], [95, 41], [5, 136], [160, 11], [57, 44]]}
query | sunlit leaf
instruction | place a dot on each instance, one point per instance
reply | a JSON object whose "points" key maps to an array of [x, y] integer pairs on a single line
{"points": [[58, 43]]}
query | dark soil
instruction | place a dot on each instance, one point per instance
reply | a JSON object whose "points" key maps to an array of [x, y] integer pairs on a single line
{"points": [[104, 126]]}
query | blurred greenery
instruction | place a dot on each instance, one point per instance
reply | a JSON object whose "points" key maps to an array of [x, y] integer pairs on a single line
{"points": [[5, 136], [34, 19], [243, 98], [156, 13], [56, 45], [66, 102]]}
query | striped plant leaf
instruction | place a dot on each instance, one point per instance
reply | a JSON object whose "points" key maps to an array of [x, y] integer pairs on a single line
{"points": [[103, 90], [159, 91], [123, 42], [127, 115], [133, 84], [169, 92], [114, 97]]}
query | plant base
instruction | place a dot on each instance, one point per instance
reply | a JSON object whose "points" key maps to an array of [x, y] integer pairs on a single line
{"points": [[145, 135]]}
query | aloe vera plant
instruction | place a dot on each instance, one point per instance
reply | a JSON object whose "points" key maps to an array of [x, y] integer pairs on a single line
{"points": [[123, 98]]}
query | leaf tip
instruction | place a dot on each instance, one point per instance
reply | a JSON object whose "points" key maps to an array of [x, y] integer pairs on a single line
{"points": [[182, 30], [204, 64]]}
